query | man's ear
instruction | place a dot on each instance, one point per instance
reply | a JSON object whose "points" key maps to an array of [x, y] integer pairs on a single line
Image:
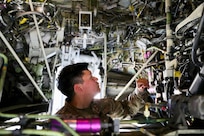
{"points": [[77, 88]]}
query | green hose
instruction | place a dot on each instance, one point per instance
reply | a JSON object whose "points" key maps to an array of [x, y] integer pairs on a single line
{"points": [[3, 73], [69, 129], [145, 121], [33, 132]]}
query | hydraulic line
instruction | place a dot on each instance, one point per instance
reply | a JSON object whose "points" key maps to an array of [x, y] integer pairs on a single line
{"points": [[78, 125], [170, 61], [40, 40], [3, 73], [32, 132], [83, 125], [103, 92], [169, 41], [143, 121], [36, 116]]}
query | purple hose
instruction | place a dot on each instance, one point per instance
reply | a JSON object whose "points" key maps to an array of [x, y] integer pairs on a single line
{"points": [[88, 125], [92, 125]]}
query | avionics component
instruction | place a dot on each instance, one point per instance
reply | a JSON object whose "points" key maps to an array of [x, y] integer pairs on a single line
{"points": [[193, 106], [196, 106], [197, 85], [85, 20]]}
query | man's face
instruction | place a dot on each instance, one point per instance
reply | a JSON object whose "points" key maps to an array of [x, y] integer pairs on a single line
{"points": [[90, 84]]}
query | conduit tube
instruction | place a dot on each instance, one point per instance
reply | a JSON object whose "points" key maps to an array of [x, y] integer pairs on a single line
{"points": [[40, 40]]}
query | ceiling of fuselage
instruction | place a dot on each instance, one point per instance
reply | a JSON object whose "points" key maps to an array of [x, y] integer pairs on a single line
{"points": [[121, 14], [115, 11]]}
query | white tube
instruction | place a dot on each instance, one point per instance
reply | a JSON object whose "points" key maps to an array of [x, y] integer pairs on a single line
{"points": [[103, 94], [40, 40]]}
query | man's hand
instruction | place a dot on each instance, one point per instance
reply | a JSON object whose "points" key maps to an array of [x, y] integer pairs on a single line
{"points": [[135, 104]]}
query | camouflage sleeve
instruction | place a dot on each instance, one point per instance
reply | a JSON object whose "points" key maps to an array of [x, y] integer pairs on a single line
{"points": [[135, 104], [120, 109], [110, 107]]}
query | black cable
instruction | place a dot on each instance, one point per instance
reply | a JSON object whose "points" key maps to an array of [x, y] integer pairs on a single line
{"points": [[17, 132], [196, 43]]}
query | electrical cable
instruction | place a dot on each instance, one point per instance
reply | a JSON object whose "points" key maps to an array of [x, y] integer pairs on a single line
{"points": [[28, 13], [196, 43]]}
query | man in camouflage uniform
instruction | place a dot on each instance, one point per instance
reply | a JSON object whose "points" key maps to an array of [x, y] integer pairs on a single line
{"points": [[77, 83]]}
